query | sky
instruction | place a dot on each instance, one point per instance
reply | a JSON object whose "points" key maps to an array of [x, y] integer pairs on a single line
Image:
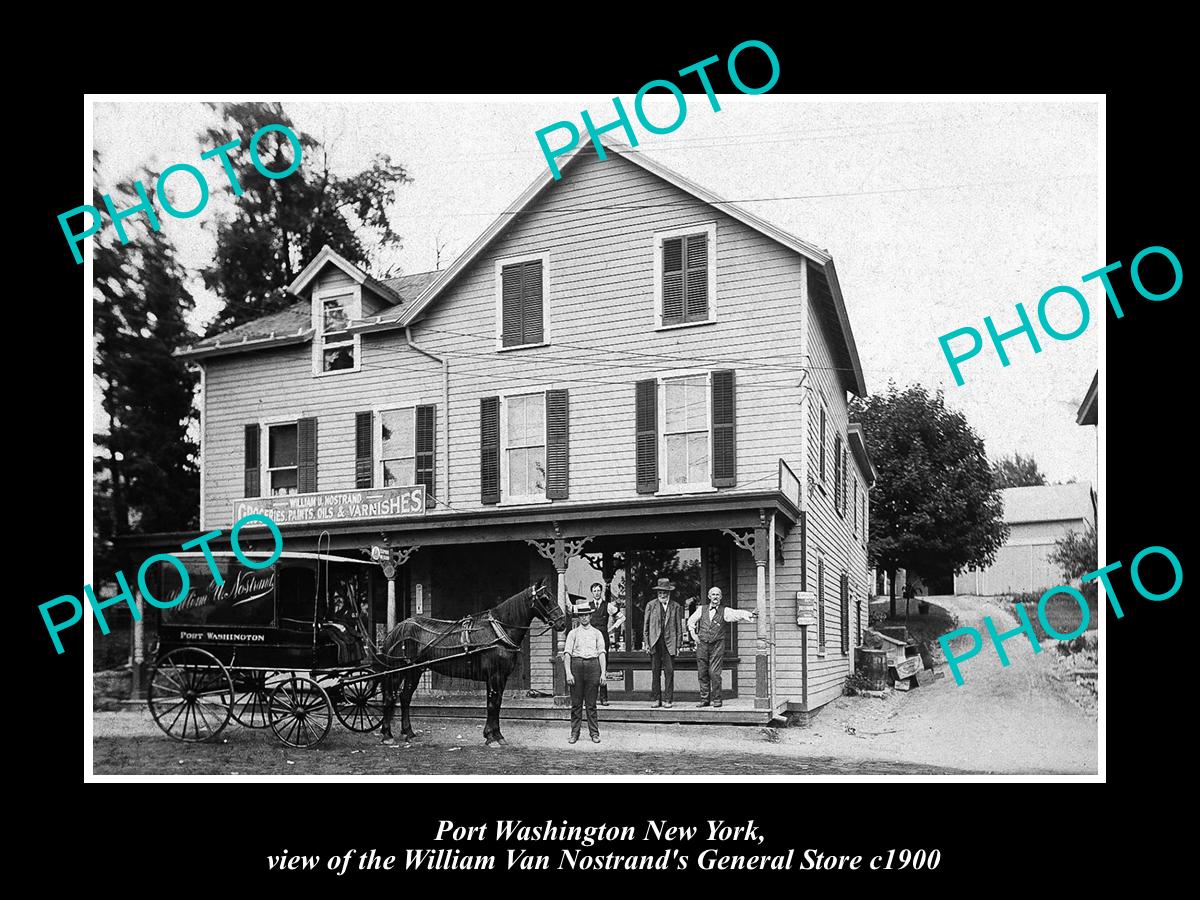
{"points": [[936, 214]]}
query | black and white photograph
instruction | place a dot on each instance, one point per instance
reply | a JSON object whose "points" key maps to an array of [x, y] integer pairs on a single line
{"points": [[498, 436]]}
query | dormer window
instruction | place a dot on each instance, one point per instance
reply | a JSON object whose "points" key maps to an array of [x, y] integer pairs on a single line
{"points": [[337, 350]]}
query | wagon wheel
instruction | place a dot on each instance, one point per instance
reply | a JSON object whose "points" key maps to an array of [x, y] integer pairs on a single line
{"points": [[251, 698], [359, 704], [190, 695], [300, 711]]}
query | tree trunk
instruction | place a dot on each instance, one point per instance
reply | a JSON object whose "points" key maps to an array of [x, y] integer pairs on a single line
{"points": [[892, 592]]}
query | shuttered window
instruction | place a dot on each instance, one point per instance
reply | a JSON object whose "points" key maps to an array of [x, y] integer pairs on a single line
{"points": [[306, 439], [251, 485], [524, 451], [685, 287], [339, 350], [724, 437], [364, 455], [557, 445], [856, 505], [521, 303], [489, 449], [646, 431], [845, 592], [426, 449]]}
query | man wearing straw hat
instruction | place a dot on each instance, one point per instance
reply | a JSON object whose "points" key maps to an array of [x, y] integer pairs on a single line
{"points": [[662, 635], [585, 661]]}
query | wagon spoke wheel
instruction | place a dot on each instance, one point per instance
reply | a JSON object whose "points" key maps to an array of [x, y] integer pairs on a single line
{"points": [[252, 692], [190, 695], [300, 712], [359, 704]]}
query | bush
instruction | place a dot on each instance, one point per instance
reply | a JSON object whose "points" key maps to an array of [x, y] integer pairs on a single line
{"points": [[855, 684], [877, 617], [1075, 554]]}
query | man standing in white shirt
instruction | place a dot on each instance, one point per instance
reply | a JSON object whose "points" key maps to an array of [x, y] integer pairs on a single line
{"points": [[707, 628], [586, 667]]}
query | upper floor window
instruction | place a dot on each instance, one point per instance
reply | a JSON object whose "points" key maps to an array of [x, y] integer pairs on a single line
{"points": [[521, 302], [337, 350], [283, 461], [397, 447], [686, 431], [524, 447], [685, 271]]}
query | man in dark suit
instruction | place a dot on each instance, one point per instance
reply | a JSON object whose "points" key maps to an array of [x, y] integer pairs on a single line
{"points": [[662, 636], [600, 614]]}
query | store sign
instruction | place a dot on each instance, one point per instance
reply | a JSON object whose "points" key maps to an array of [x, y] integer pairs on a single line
{"points": [[337, 506]]}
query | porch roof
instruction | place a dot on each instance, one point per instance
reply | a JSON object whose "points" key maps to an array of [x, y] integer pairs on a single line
{"points": [[653, 515]]}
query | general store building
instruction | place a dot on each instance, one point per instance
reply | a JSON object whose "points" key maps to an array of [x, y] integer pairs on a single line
{"points": [[623, 378]]}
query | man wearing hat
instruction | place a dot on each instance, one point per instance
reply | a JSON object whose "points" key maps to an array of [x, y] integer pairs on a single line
{"points": [[662, 635], [707, 627]]}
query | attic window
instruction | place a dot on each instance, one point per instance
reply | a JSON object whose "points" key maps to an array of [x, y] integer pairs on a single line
{"points": [[339, 350]]}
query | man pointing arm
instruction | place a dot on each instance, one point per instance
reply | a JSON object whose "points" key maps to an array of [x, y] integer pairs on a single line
{"points": [[707, 627]]}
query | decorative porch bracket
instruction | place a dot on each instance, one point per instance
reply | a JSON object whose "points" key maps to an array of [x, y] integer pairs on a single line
{"points": [[559, 551], [390, 559]]}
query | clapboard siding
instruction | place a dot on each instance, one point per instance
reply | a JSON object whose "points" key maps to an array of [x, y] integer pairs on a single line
{"points": [[601, 314]]}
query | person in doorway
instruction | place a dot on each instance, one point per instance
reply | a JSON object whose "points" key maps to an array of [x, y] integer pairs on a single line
{"points": [[586, 666], [616, 624], [600, 613], [707, 628], [662, 636]]}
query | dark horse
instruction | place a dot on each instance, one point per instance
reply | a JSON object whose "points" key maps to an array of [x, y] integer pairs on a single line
{"points": [[482, 647]]}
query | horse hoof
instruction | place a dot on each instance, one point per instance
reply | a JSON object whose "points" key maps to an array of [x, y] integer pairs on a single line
{"points": [[389, 742], [502, 742], [492, 745]]}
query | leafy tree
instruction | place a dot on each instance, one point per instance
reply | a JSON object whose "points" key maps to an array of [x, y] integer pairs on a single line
{"points": [[146, 474], [279, 225], [1017, 471], [1076, 554], [936, 504]]}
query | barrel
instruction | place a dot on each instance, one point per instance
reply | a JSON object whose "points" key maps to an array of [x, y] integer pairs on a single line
{"points": [[872, 665]]}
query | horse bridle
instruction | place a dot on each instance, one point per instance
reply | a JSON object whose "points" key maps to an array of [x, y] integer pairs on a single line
{"points": [[545, 607]]}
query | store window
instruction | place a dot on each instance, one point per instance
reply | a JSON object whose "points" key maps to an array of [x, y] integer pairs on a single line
{"points": [[283, 471]]}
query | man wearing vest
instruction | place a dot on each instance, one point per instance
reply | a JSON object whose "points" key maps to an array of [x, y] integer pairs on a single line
{"points": [[662, 634], [707, 627]]}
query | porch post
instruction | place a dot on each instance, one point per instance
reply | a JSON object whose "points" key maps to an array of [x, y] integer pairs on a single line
{"points": [[390, 559], [559, 551], [391, 597], [762, 659], [137, 651]]}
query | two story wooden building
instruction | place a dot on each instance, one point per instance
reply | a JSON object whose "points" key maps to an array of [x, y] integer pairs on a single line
{"points": [[624, 377]]}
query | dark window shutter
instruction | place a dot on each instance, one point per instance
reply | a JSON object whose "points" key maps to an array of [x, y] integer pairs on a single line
{"points": [[822, 449], [672, 280], [306, 455], [557, 445], [837, 473], [531, 303], [696, 281], [845, 474], [845, 586], [252, 485], [646, 428], [426, 449], [856, 506], [364, 457], [724, 436], [489, 449], [510, 300], [821, 603]]}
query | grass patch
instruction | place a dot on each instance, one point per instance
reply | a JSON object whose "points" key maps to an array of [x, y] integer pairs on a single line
{"points": [[1062, 611], [927, 628]]}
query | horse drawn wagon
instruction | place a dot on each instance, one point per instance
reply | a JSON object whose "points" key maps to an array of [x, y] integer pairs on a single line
{"points": [[288, 647]]}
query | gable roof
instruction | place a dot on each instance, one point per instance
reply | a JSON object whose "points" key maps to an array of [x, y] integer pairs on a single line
{"points": [[329, 256], [845, 349], [1048, 503]]}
